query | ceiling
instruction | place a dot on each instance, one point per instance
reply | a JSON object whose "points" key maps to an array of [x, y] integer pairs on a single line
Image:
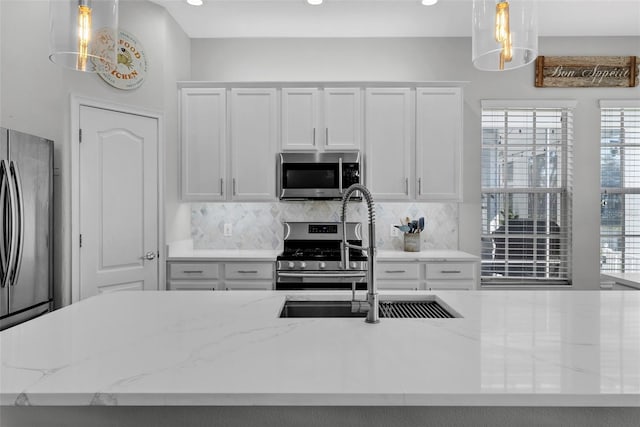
{"points": [[389, 18]]}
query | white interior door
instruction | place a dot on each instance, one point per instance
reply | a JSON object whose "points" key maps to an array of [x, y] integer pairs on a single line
{"points": [[118, 202]]}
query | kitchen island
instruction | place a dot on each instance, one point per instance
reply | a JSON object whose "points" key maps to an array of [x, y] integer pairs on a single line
{"points": [[571, 356]]}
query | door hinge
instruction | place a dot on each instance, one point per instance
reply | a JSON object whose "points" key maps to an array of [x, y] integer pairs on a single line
{"points": [[81, 240], [79, 135]]}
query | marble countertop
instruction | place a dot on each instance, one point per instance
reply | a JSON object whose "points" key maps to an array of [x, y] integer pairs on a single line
{"points": [[426, 255], [511, 348], [183, 251]]}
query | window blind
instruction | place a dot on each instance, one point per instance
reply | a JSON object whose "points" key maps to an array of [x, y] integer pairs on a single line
{"points": [[620, 189], [526, 195]]}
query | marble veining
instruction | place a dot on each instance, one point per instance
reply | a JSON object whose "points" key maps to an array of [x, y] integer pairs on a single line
{"points": [[259, 225], [523, 348]]}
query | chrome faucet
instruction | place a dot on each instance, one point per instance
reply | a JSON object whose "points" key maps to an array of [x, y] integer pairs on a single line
{"points": [[372, 289]]}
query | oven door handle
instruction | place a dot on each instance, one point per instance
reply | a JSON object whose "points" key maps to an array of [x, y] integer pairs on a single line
{"points": [[323, 275]]}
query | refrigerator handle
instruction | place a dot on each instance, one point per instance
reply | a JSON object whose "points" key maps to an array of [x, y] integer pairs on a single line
{"points": [[4, 239], [13, 231], [13, 168]]}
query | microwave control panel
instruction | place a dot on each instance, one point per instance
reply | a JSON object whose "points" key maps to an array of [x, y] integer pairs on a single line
{"points": [[350, 174]]}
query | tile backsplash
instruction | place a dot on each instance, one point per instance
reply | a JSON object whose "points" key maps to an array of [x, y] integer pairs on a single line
{"points": [[259, 225]]}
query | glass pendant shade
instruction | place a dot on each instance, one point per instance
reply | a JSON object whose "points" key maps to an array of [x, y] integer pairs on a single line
{"points": [[504, 34], [83, 34]]}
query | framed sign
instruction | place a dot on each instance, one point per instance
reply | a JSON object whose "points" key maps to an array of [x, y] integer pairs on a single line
{"points": [[587, 71], [131, 69]]}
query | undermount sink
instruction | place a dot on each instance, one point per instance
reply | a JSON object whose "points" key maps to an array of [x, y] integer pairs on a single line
{"points": [[293, 308], [424, 308]]}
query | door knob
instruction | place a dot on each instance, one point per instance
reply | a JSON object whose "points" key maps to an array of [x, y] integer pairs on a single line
{"points": [[150, 256]]}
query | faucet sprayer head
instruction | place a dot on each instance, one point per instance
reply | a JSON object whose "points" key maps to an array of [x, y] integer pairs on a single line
{"points": [[367, 197]]}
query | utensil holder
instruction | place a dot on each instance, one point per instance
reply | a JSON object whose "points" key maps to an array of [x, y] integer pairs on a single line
{"points": [[412, 242]]}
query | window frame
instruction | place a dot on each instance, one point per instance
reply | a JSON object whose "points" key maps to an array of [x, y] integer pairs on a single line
{"points": [[563, 197], [607, 110]]}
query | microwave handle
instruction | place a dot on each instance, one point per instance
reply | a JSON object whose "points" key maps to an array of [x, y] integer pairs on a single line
{"points": [[340, 175]]}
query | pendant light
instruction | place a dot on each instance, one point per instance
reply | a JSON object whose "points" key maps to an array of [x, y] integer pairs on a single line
{"points": [[504, 34], [83, 34]]}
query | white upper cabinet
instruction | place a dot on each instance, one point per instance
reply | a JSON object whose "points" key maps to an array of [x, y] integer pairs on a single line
{"points": [[342, 118], [203, 119], [389, 142], [321, 119], [410, 138], [439, 144], [300, 119], [253, 137]]}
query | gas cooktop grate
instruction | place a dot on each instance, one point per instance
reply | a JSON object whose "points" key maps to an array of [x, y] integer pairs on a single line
{"points": [[413, 310]]}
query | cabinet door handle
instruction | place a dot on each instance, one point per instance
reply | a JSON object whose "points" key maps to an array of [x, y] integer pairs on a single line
{"points": [[326, 136], [419, 186], [221, 186], [192, 271], [314, 137], [395, 271], [406, 186], [233, 182], [248, 271], [450, 271], [340, 175]]}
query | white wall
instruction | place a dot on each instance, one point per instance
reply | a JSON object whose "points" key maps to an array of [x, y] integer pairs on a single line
{"points": [[36, 96], [437, 59]]}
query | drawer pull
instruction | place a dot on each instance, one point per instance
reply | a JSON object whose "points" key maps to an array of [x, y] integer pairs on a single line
{"points": [[248, 271], [395, 271], [450, 271], [192, 271]]}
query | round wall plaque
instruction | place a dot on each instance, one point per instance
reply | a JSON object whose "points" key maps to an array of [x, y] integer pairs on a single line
{"points": [[130, 71]]}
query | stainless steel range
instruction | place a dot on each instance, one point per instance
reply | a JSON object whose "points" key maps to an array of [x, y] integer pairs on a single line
{"points": [[311, 257]]}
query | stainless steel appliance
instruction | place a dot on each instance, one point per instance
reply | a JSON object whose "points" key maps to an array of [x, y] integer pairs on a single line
{"points": [[311, 257], [303, 176], [26, 189]]}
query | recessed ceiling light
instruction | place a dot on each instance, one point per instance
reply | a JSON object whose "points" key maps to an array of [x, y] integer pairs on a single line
{"points": [[429, 2], [195, 2], [314, 2]]}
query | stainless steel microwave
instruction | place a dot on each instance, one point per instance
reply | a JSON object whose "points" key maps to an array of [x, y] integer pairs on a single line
{"points": [[304, 176]]}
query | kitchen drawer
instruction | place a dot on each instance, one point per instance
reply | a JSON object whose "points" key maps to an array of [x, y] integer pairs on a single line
{"points": [[184, 270], [251, 285], [398, 270], [192, 285], [450, 270], [249, 270], [451, 285], [398, 285]]}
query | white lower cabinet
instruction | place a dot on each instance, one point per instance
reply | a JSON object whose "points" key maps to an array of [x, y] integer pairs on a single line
{"points": [[451, 275], [192, 285], [244, 285], [214, 275], [249, 276], [426, 275], [201, 276], [399, 275]]}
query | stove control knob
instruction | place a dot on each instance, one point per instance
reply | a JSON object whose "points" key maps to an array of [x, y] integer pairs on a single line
{"points": [[303, 264], [291, 264], [322, 265], [353, 265]]}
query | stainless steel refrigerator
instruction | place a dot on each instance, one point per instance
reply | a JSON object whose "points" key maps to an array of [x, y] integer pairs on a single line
{"points": [[26, 224]]}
